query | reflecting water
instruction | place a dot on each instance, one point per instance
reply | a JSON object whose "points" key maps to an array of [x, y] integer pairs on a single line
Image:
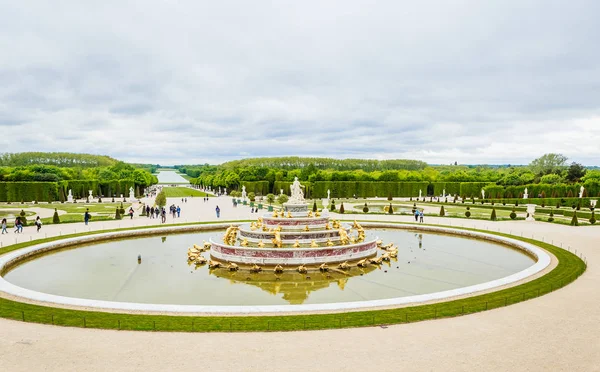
{"points": [[170, 177], [109, 271]]}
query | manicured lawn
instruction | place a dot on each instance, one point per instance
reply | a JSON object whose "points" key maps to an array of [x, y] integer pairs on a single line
{"points": [[183, 192], [569, 268]]}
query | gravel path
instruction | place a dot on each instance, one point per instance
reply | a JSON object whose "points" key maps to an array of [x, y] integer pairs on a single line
{"points": [[556, 332]]}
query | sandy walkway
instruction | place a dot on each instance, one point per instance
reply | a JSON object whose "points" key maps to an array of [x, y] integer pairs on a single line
{"points": [[556, 332]]}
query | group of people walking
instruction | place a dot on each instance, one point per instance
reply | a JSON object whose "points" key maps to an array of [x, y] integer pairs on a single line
{"points": [[419, 215], [19, 225]]}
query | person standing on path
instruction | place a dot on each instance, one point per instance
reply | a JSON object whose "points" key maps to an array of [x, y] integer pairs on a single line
{"points": [[218, 210], [38, 223], [86, 216], [164, 215], [417, 215], [421, 215], [131, 213], [4, 226], [178, 212]]}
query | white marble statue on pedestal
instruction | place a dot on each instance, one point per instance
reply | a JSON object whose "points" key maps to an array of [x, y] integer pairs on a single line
{"points": [[482, 194], [444, 193], [297, 193], [225, 191], [244, 193], [90, 195], [70, 196], [420, 193], [328, 194], [581, 192], [280, 191], [131, 195], [531, 212], [525, 195]]}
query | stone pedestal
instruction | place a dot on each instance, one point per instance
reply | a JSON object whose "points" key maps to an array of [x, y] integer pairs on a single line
{"points": [[531, 212]]}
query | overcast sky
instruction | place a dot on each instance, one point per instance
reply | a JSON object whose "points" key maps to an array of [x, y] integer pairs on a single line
{"points": [[177, 81]]}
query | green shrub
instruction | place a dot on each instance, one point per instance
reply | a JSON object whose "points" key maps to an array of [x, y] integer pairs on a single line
{"points": [[342, 208], [391, 209], [251, 196], [270, 198], [468, 214], [161, 199], [122, 209], [574, 221], [366, 208], [551, 218], [118, 214], [283, 198], [55, 218], [513, 214], [23, 217], [389, 197], [493, 216], [315, 206], [442, 211], [99, 200], [332, 205]]}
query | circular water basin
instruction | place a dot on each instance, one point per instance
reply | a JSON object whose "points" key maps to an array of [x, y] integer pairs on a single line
{"points": [[427, 263]]}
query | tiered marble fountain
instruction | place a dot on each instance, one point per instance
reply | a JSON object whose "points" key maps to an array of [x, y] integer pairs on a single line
{"points": [[294, 237]]}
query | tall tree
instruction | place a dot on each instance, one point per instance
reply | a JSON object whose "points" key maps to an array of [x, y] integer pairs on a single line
{"points": [[548, 163], [576, 172]]}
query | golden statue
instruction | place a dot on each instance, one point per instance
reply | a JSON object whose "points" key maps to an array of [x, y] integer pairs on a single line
{"points": [[255, 269], [302, 269], [278, 269], [213, 264], [244, 243], [330, 243], [259, 222], [253, 226], [317, 214], [343, 235], [327, 227], [264, 228], [232, 267], [310, 214], [362, 263], [352, 240], [275, 215], [324, 267], [277, 239], [261, 244], [314, 244], [200, 261], [306, 228], [296, 244], [289, 215], [344, 266]]}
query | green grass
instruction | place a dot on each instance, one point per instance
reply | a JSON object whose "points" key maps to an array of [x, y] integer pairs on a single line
{"points": [[569, 268], [182, 192]]}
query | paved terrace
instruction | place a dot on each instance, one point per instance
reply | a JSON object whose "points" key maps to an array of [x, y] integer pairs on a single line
{"points": [[556, 332]]}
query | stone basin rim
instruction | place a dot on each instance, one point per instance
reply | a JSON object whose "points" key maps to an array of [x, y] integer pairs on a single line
{"points": [[7, 260]]}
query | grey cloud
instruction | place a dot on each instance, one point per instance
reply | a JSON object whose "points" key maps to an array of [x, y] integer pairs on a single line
{"points": [[194, 82]]}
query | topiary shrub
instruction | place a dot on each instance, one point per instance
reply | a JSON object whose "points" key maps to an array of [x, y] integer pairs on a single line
{"points": [[99, 200], [315, 206], [55, 217], [493, 216], [342, 208], [574, 220], [283, 198], [414, 208], [391, 209], [122, 209], [579, 205], [23, 217], [35, 202], [251, 196], [118, 214], [113, 199], [593, 218], [468, 213], [366, 208], [551, 218], [513, 214], [332, 206], [516, 203], [442, 211]]}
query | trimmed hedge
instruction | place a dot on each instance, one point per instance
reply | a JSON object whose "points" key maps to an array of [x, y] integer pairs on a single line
{"points": [[473, 189], [28, 191], [347, 189], [257, 187], [452, 188]]}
